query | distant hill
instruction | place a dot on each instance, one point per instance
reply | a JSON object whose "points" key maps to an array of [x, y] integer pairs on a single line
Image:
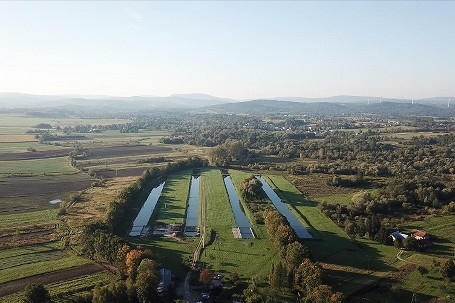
{"points": [[107, 103], [261, 107], [336, 105]]}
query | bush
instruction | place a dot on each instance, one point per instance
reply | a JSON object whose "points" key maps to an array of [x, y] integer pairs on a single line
{"points": [[36, 293]]}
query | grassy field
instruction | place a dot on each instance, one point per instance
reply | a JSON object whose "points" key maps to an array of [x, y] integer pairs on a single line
{"points": [[31, 269], [51, 166], [21, 147], [442, 230], [31, 218], [342, 199], [171, 206]]}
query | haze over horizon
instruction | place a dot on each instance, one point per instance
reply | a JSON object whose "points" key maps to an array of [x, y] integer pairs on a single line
{"points": [[237, 50]]}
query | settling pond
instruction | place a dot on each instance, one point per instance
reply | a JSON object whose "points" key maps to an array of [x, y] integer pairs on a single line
{"points": [[241, 220], [146, 211], [192, 213], [300, 230]]}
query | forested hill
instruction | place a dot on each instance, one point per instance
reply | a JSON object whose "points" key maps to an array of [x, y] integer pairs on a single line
{"points": [[261, 107]]}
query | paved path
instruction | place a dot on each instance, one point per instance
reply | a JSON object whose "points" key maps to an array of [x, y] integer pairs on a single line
{"points": [[404, 260]]}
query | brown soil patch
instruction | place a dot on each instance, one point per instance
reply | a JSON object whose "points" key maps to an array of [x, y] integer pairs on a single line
{"points": [[44, 185], [123, 151], [95, 201], [49, 277], [35, 155], [17, 138], [315, 185]]}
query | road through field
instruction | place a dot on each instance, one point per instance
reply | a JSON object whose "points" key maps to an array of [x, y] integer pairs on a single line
{"points": [[49, 277]]}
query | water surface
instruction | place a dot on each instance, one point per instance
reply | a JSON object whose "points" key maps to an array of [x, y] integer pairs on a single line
{"points": [[240, 218], [300, 230], [192, 213], [146, 211]]}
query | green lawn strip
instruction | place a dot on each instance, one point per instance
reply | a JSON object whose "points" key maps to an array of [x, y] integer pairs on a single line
{"points": [[53, 166], [28, 270], [30, 249], [27, 219], [171, 206], [219, 216]]}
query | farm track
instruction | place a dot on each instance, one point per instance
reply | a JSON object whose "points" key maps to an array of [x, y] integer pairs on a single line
{"points": [[11, 287]]}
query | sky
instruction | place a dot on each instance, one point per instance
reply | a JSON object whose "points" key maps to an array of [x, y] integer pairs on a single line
{"points": [[232, 49]]}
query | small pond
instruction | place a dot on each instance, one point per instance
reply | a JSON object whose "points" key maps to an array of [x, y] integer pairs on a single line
{"points": [[239, 215], [146, 211], [300, 230], [192, 212]]}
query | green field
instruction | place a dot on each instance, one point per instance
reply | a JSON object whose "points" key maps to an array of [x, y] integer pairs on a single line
{"points": [[51, 166], [62, 291], [442, 230], [30, 218], [27, 270], [171, 206], [342, 199]]}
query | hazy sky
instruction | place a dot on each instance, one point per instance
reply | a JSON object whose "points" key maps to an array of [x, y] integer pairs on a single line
{"points": [[231, 49]]}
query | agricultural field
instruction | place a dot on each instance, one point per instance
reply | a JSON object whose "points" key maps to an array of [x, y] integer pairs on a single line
{"points": [[53, 166], [29, 218]]}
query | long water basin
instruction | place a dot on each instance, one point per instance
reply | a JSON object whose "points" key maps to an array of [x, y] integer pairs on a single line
{"points": [[300, 230], [192, 212], [240, 219], [146, 211]]}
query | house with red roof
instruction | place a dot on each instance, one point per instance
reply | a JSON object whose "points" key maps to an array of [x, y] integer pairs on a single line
{"points": [[423, 238]]}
